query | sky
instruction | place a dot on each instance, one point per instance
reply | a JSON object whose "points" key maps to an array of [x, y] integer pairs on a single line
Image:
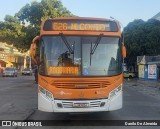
{"points": [[124, 11]]}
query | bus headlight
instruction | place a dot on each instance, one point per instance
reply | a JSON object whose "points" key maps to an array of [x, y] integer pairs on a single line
{"points": [[42, 90], [115, 91], [49, 94], [46, 92]]}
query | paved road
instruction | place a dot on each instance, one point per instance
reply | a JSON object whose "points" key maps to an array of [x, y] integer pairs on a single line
{"points": [[18, 101], [137, 106], [18, 97]]}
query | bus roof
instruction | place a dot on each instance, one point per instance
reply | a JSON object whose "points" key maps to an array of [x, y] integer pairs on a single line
{"points": [[80, 18]]}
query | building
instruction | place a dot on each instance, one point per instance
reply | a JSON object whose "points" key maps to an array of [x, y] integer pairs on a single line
{"points": [[11, 57], [149, 67]]}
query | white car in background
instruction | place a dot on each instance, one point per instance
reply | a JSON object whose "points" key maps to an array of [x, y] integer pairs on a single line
{"points": [[10, 72], [27, 71]]}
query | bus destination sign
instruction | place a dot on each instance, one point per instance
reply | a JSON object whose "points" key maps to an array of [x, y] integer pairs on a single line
{"points": [[70, 25]]}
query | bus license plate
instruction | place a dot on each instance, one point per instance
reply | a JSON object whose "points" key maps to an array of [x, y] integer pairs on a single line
{"points": [[80, 105]]}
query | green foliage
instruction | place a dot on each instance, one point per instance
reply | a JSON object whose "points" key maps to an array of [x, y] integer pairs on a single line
{"points": [[142, 38], [21, 29], [10, 31], [35, 12]]}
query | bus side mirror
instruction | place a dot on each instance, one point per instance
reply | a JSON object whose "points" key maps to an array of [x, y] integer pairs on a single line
{"points": [[124, 51], [33, 49]]}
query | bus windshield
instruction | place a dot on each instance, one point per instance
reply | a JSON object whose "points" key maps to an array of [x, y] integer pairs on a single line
{"points": [[80, 56]]}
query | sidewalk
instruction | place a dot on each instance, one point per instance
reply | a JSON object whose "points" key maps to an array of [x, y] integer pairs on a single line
{"points": [[147, 82]]}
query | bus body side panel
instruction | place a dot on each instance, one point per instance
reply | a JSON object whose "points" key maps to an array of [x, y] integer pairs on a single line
{"points": [[116, 102], [44, 104]]}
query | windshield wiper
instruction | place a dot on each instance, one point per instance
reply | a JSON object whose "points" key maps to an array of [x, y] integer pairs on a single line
{"points": [[66, 43], [96, 43], [95, 46]]}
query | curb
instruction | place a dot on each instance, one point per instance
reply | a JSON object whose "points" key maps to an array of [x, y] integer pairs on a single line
{"points": [[144, 82]]}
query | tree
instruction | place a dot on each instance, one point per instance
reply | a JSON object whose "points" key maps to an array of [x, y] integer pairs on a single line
{"points": [[10, 30], [25, 25], [142, 38], [13, 33], [35, 12]]}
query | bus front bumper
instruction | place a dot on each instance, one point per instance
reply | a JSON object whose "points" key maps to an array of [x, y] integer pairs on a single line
{"points": [[97, 105]]}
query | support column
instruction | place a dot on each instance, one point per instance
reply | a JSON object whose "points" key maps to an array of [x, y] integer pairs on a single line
{"points": [[24, 65]]}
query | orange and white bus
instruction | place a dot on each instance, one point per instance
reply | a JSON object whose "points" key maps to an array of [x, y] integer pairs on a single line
{"points": [[80, 65]]}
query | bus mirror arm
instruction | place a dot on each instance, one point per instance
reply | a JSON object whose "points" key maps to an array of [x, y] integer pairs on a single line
{"points": [[33, 49], [124, 51]]}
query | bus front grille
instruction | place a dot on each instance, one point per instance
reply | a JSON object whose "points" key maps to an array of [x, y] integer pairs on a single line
{"points": [[81, 85]]}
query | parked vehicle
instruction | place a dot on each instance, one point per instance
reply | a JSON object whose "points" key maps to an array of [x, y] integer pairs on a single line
{"points": [[27, 71], [10, 72], [127, 74]]}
